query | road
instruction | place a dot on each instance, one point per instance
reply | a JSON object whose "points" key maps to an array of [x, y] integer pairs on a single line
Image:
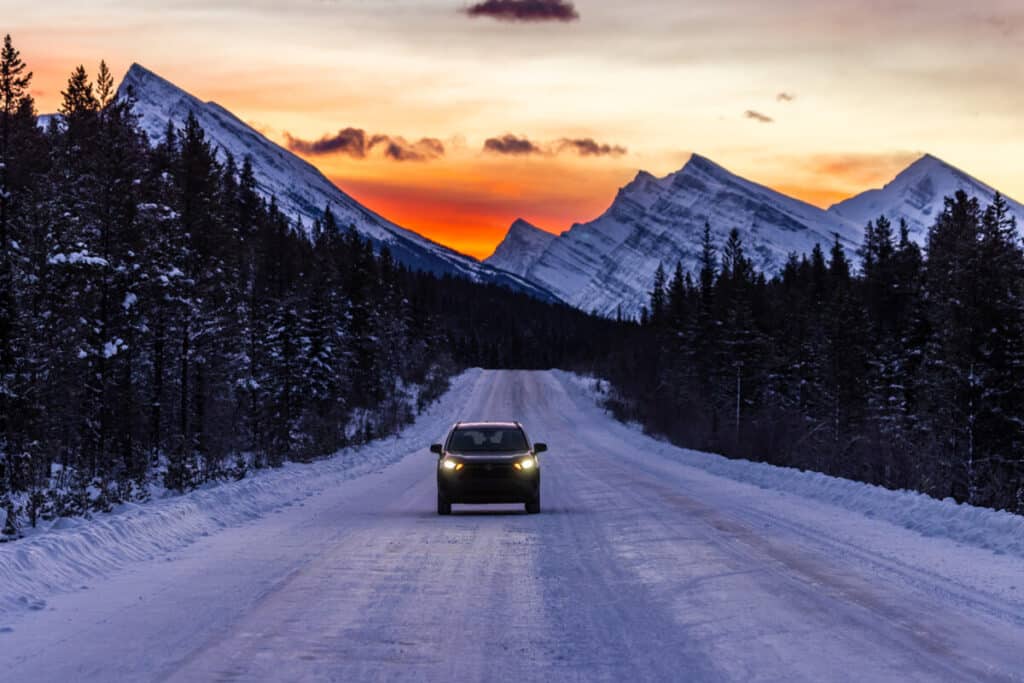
{"points": [[638, 568]]}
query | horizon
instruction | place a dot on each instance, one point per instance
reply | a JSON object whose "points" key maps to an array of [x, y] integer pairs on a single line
{"points": [[399, 106]]}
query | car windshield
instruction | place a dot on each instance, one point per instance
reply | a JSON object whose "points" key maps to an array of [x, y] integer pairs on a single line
{"points": [[487, 439]]}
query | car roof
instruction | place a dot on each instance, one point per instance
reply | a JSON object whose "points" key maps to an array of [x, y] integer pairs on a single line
{"points": [[471, 425]]}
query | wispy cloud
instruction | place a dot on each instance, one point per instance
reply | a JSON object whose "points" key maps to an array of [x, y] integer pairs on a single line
{"points": [[355, 143], [588, 147], [511, 144], [399, 149], [524, 10], [758, 116], [517, 145]]}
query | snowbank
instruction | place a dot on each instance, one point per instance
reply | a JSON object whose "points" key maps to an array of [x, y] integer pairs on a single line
{"points": [[73, 550], [1000, 532]]}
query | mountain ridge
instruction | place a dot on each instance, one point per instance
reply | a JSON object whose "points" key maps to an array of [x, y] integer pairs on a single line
{"points": [[609, 262]]}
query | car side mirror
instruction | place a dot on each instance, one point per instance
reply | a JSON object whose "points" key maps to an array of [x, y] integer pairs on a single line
{"points": [[437, 448], [539, 447]]}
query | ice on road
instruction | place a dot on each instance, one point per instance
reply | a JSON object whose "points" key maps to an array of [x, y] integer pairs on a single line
{"points": [[642, 566]]}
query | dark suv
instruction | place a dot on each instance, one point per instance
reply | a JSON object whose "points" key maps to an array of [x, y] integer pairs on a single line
{"points": [[488, 462]]}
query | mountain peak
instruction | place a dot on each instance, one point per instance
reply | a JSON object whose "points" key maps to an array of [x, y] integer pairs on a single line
{"points": [[523, 225], [140, 79], [698, 162], [523, 244], [917, 195]]}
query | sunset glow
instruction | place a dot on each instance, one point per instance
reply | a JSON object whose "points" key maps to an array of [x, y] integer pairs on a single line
{"points": [[818, 100]]}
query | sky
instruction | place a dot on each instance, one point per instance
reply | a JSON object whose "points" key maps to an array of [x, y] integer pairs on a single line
{"points": [[453, 118]]}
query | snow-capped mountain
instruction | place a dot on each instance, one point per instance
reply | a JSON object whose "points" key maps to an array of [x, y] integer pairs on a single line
{"points": [[302, 192], [917, 194], [610, 262], [523, 244]]}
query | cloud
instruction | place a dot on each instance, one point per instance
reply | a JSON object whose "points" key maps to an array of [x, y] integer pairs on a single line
{"points": [[522, 146], [524, 10], [511, 144], [357, 144], [588, 147], [758, 116], [785, 97], [350, 141], [399, 149]]}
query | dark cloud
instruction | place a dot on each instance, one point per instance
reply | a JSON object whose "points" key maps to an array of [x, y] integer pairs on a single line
{"points": [[351, 141], [511, 144], [399, 149], [785, 97], [357, 144], [588, 147], [521, 146], [524, 10], [758, 116]]}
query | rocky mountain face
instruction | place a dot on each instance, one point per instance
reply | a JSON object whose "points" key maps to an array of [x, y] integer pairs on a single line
{"points": [[523, 244], [610, 262]]}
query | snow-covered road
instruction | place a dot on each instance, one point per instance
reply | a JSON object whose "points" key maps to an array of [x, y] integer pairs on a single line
{"points": [[642, 566]]}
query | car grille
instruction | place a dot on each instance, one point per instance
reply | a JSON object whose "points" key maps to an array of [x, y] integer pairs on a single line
{"points": [[488, 470]]}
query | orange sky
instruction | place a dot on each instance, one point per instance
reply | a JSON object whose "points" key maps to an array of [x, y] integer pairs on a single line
{"points": [[869, 87]]}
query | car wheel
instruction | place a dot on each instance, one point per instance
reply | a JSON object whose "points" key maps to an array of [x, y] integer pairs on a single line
{"points": [[533, 507], [443, 506]]}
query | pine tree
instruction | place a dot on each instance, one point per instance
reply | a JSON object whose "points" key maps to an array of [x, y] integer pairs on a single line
{"points": [[954, 372], [104, 86], [657, 296], [16, 115]]}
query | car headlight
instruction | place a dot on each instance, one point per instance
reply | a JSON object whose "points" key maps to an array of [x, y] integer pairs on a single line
{"points": [[527, 463], [451, 465]]}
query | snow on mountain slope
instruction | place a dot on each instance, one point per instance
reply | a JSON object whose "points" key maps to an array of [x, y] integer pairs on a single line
{"points": [[610, 261], [917, 194], [302, 192], [523, 244]]}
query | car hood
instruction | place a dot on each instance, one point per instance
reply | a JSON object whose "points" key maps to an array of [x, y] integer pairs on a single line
{"points": [[485, 456]]}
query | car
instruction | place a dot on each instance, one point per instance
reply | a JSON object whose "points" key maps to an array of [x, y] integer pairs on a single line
{"points": [[488, 462]]}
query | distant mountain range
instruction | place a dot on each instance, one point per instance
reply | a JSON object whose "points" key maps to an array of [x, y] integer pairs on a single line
{"points": [[301, 190], [609, 262], [602, 265]]}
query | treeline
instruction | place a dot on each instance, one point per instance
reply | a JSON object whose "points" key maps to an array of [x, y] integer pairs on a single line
{"points": [[162, 324], [907, 374]]}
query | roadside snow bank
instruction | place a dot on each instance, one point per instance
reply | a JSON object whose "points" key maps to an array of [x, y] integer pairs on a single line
{"points": [[74, 550], [1000, 532]]}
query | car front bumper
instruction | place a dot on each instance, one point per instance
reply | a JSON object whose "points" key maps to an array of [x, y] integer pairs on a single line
{"points": [[489, 483]]}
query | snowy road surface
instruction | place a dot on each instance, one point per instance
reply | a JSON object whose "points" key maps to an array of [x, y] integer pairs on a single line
{"points": [[640, 567]]}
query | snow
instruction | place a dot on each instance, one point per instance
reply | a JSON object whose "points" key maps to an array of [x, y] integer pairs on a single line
{"points": [[112, 348], [648, 562], [998, 531], [917, 194], [72, 550], [76, 258], [522, 246]]}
